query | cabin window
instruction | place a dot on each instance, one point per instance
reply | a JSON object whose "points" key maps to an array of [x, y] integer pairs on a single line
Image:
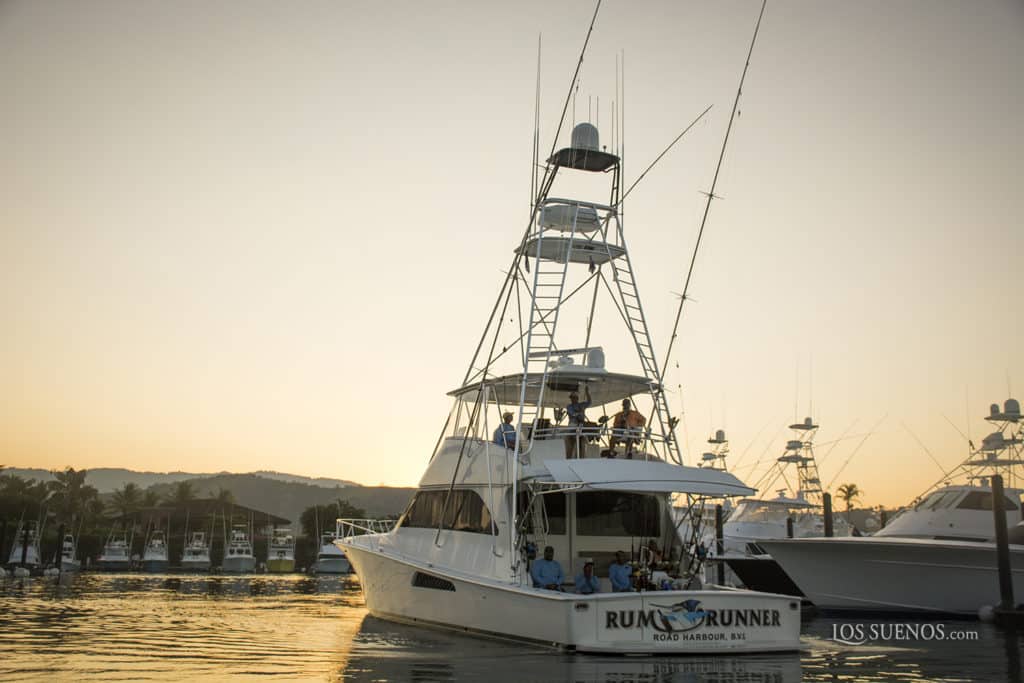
{"points": [[938, 500], [465, 511], [609, 513], [982, 500], [553, 505]]}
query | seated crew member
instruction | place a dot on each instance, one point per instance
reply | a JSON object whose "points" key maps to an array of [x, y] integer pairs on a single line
{"points": [[626, 426], [547, 573], [576, 410], [619, 573], [505, 434], [586, 582], [654, 554]]}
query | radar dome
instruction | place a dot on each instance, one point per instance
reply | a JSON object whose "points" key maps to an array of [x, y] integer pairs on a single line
{"points": [[1011, 407], [720, 435], [993, 410], [585, 136], [595, 359]]}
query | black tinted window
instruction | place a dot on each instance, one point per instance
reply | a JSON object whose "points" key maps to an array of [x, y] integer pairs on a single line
{"points": [[465, 511], [609, 513], [982, 500]]}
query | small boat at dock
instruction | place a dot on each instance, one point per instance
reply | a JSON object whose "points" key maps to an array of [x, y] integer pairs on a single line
{"points": [[238, 555], [281, 551]]}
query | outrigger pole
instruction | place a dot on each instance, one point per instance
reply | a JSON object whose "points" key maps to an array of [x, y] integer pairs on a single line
{"points": [[710, 195]]}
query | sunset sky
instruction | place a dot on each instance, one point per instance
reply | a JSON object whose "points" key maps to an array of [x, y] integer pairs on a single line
{"points": [[264, 235]]}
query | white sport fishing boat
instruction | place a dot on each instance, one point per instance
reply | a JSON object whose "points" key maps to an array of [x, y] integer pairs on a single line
{"points": [[758, 519], [116, 555], [25, 545], [69, 561], [937, 556], [281, 552], [154, 557], [196, 556], [238, 557], [498, 490], [331, 559]]}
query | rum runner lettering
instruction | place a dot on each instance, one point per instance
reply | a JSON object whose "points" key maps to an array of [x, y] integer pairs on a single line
{"points": [[679, 620]]}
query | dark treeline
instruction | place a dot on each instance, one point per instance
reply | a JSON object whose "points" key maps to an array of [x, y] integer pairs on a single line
{"points": [[178, 509]]}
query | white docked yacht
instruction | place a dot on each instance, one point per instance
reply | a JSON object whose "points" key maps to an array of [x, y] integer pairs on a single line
{"points": [[154, 557], [116, 555], [331, 559], [69, 561], [466, 554], [281, 552], [196, 556], [758, 519], [238, 556], [938, 555], [26, 545]]}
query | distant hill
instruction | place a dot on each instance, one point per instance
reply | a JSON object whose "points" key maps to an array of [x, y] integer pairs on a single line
{"points": [[106, 479], [316, 481], [289, 498]]}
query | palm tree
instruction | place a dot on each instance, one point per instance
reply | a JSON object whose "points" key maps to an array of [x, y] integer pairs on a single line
{"points": [[127, 499], [182, 494], [849, 493], [224, 496], [150, 499], [70, 493]]}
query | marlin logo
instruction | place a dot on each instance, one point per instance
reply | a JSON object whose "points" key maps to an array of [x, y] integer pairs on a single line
{"points": [[682, 616]]}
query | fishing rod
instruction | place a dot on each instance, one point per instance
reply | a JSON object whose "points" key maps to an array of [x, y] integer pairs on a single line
{"points": [[711, 195], [658, 158], [871, 433]]}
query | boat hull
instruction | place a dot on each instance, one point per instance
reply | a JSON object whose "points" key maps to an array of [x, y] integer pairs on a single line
{"points": [[884, 574], [105, 565], [239, 565], [155, 566], [662, 622], [68, 565], [762, 573], [195, 565], [339, 565], [280, 565]]}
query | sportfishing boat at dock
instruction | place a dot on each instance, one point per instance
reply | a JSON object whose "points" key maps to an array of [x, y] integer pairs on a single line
{"points": [[281, 552], [520, 471], [238, 556], [196, 555], [116, 555], [154, 557], [938, 555], [25, 546], [758, 519], [331, 559], [69, 561]]}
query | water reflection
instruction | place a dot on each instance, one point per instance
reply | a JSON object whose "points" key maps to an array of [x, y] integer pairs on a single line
{"points": [[212, 627], [383, 651]]}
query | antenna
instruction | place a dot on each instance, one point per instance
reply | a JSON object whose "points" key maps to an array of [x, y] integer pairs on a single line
{"points": [[711, 194], [536, 133]]}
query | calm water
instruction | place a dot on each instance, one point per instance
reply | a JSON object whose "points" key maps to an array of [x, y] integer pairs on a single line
{"points": [[143, 627]]}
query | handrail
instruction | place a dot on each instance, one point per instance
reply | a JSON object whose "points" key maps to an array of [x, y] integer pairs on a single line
{"points": [[347, 527]]}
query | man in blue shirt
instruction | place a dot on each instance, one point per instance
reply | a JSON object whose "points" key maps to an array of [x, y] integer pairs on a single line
{"points": [[587, 583], [505, 434], [619, 573], [576, 410], [547, 573]]}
